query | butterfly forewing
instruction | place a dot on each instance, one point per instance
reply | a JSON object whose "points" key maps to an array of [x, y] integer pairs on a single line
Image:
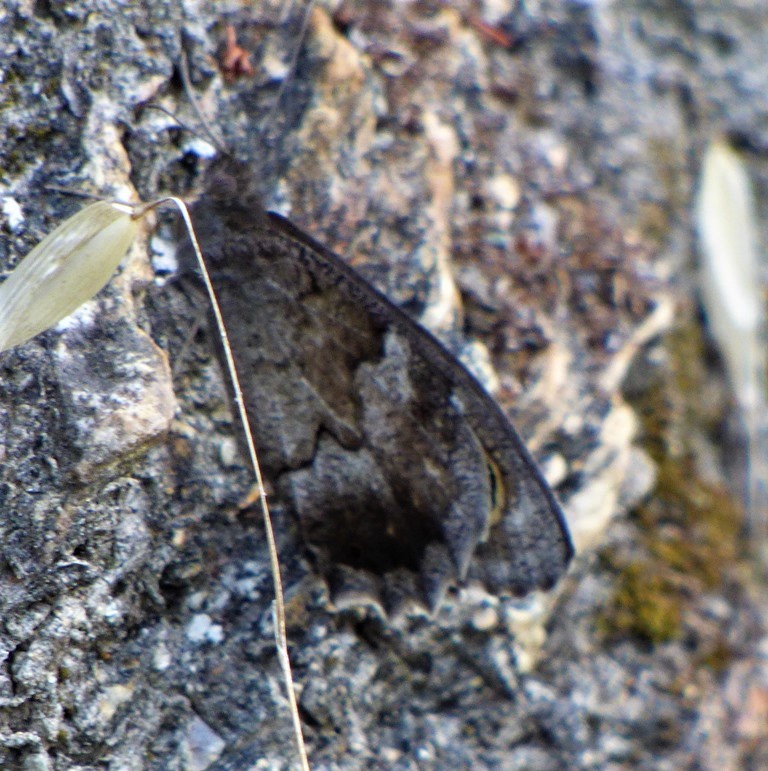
{"points": [[389, 452]]}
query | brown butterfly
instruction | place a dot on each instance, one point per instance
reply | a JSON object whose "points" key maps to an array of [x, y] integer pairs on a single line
{"points": [[404, 473]]}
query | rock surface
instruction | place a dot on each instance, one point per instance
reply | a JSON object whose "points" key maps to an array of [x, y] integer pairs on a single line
{"points": [[521, 181]]}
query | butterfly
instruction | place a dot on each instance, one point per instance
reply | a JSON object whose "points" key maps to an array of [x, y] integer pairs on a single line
{"points": [[405, 475]]}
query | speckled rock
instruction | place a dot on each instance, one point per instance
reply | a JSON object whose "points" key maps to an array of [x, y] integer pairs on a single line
{"points": [[517, 177]]}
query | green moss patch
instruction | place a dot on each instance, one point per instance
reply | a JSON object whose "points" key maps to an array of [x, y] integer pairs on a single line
{"points": [[689, 540]]}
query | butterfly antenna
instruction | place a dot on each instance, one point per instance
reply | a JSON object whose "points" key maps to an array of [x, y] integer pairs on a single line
{"points": [[76, 193], [271, 122], [190, 92], [180, 123]]}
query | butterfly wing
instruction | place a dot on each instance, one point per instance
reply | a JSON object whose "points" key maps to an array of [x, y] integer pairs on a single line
{"points": [[398, 465]]}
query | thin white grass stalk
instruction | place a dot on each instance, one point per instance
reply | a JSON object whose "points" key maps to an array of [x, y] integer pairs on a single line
{"points": [[281, 637]]}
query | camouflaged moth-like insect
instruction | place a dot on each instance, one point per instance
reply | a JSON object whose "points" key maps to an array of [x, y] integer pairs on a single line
{"points": [[404, 473]]}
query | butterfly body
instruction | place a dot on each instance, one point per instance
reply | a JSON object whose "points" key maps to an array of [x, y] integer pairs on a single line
{"points": [[404, 474]]}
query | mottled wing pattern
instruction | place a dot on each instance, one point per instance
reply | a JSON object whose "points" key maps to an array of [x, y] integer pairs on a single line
{"points": [[404, 474]]}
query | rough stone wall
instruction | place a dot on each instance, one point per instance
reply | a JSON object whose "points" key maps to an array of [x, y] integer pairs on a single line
{"points": [[519, 177]]}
